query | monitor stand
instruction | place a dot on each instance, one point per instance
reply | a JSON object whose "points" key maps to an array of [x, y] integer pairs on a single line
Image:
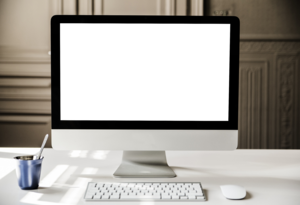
{"points": [[144, 164]]}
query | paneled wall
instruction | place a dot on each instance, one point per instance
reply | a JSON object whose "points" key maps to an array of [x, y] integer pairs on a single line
{"points": [[25, 111], [269, 94], [25, 81], [269, 114]]}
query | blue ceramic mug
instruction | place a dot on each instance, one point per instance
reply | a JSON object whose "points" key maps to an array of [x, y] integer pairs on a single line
{"points": [[28, 171]]}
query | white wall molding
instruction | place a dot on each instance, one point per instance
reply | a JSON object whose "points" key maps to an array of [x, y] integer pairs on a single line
{"points": [[268, 37], [165, 7], [25, 70], [33, 53], [24, 130], [24, 55], [25, 107], [169, 7], [25, 93], [69, 7], [55, 7], [270, 46], [85, 7], [279, 85], [253, 103], [288, 107], [98, 7], [25, 82], [25, 119], [197, 7]]}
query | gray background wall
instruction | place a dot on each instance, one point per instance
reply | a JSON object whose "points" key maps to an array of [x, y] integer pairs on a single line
{"points": [[269, 70], [269, 64]]}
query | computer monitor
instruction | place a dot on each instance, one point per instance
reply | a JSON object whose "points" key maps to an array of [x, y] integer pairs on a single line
{"points": [[144, 84]]}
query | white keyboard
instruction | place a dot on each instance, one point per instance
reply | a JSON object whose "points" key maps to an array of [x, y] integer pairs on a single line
{"points": [[172, 191]]}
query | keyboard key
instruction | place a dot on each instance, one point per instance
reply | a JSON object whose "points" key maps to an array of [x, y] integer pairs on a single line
{"points": [[164, 196], [191, 196], [92, 185], [115, 197], [89, 196], [200, 198], [148, 197], [135, 197], [105, 197], [196, 193]]}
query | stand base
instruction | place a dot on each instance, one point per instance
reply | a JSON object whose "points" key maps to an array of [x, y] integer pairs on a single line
{"points": [[144, 164]]}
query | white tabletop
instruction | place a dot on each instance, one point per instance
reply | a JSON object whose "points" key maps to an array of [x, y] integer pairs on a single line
{"points": [[269, 176]]}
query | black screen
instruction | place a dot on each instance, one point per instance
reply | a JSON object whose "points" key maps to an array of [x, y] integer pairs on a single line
{"points": [[137, 76]]}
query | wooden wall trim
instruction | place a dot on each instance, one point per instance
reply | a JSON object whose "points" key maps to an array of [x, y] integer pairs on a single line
{"points": [[288, 78], [24, 55], [25, 107], [270, 46], [25, 94], [281, 89], [25, 70], [97, 7], [25, 82], [25, 119], [253, 102], [197, 7], [85, 7], [269, 37]]}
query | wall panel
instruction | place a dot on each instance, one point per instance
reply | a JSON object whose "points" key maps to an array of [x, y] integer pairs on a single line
{"points": [[24, 131], [25, 99], [288, 95], [269, 114], [273, 122], [253, 103], [25, 77]]}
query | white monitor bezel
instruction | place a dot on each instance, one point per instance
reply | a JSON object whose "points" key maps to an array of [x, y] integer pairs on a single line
{"points": [[154, 140]]}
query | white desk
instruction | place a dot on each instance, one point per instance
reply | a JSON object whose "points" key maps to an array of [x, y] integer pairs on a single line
{"points": [[269, 176]]}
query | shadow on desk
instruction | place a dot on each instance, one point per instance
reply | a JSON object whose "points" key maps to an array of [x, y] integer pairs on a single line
{"points": [[94, 176], [49, 190], [248, 196], [205, 192]]}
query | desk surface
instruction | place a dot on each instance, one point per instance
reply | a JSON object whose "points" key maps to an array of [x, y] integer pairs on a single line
{"points": [[269, 176]]}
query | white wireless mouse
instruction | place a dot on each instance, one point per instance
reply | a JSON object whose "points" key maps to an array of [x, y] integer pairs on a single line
{"points": [[233, 191]]}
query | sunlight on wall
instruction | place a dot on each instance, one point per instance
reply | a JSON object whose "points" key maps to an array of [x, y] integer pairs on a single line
{"points": [[53, 175], [100, 155], [10, 166], [73, 195]]}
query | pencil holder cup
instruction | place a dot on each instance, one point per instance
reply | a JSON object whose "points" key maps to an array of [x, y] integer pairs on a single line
{"points": [[28, 171]]}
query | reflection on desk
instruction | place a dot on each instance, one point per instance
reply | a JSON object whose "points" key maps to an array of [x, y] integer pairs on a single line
{"points": [[269, 176]]}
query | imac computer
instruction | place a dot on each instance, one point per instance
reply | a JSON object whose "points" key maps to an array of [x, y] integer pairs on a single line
{"points": [[144, 84]]}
